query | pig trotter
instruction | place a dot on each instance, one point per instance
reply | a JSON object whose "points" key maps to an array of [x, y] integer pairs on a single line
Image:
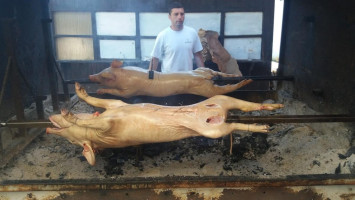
{"points": [[80, 91], [252, 127], [244, 82], [259, 128], [271, 106]]}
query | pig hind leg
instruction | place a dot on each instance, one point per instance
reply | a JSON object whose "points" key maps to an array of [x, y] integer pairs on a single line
{"points": [[227, 128], [250, 127], [229, 103], [230, 87]]}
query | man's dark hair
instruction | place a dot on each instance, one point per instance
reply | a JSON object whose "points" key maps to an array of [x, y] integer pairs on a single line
{"points": [[175, 4]]}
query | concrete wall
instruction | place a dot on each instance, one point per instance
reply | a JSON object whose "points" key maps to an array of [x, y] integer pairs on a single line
{"points": [[29, 51], [318, 48]]}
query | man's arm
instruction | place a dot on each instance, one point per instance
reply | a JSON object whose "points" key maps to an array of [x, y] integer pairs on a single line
{"points": [[198, 59], [153, 65]]}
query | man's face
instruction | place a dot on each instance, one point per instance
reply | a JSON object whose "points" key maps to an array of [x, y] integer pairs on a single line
{"points": [[177, 17]]}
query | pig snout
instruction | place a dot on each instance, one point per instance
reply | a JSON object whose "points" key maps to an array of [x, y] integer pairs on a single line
{"points": [[59, 121], [103, 77], [93, 78], [57, 128]]}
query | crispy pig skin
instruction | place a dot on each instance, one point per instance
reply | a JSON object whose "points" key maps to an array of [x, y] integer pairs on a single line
{"points": [[133, 81], [122, 124]]}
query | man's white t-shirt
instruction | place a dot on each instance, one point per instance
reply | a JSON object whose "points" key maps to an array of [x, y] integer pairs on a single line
{"points": [[176, 48]]}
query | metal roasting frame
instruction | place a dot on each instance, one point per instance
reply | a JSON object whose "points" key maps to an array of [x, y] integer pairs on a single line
{"points": [[162, 182], [176, 182], [230, 119]]}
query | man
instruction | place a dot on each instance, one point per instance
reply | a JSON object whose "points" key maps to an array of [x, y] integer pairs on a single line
{"points": [[176, 45]]}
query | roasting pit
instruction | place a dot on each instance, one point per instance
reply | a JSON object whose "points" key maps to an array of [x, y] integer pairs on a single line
{"points": [[294, 161], [289, 149]]}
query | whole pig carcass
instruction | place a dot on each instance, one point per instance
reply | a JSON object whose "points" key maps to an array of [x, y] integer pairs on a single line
{"points": [[122, 124], [213, 50], [132, 81]]}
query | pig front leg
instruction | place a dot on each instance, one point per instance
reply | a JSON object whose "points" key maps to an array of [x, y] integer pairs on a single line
{"points": [[101, 103]]}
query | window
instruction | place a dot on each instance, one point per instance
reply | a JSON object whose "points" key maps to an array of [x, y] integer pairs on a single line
{"points": [[74, 48], [131, 35], [244, 48], [73, 31], [150, 25], [206, 21], [124, 49], [243, 23], [116, 24], [244, 30]]}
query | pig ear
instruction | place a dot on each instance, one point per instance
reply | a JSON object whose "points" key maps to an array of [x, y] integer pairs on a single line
{"points": [[116, 64], [89, 154], [201, 33]]}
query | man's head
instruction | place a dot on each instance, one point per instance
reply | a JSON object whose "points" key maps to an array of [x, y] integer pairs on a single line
{"points": [[173, 5], [176, 16]]}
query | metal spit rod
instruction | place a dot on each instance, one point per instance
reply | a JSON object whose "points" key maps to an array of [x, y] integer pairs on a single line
{"points": [[232, 118], [167, 182], [218, 79], [290, 119], [254, 78], [79, 81], [26, 124]]}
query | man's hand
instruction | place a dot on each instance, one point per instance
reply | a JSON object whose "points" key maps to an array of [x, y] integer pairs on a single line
{"points": [[153, 65], [198, 59]]}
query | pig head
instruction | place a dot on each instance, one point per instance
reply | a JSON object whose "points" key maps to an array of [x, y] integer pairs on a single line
{"points": [[213, 49], [132, 81], [122, 124]]}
